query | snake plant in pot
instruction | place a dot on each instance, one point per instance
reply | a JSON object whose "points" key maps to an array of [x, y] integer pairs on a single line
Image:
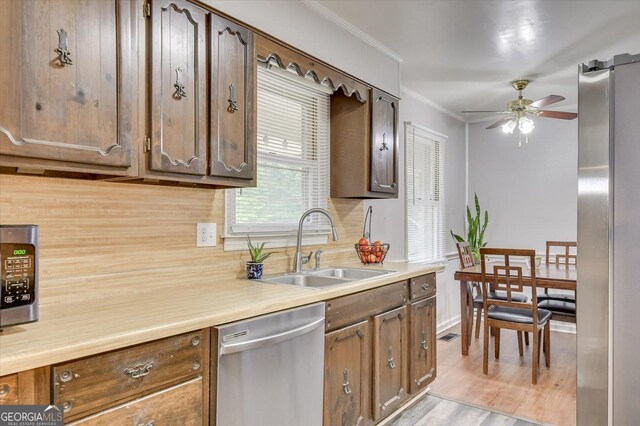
{"points": [[475, 230], [256, 266]]}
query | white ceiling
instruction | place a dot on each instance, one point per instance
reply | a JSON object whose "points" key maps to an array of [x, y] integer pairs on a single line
{"points": [[463, 55]]}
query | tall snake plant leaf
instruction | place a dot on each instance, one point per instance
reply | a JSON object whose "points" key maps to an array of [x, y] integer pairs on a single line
{"points": [[476, 228], [477, 203], [456, 237]]}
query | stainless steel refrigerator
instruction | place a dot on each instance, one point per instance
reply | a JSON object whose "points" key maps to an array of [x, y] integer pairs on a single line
{"points": [[608, 296]]}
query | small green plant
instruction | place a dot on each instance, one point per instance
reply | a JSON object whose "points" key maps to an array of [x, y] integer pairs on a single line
{"points": [[256, 252], [475, 230]]}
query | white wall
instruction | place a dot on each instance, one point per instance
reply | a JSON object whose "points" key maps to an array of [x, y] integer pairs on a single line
{"points": [[389, 216], [297, 24], [530, 192]]}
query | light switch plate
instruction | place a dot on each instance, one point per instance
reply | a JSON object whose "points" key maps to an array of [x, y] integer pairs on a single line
{"points": [[206, 235]]}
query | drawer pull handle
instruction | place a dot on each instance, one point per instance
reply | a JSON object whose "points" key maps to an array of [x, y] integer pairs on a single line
{"points": [[67, 406], [4, 390], [424, 341], [195, 341], [425, 286], [149, 423], [139, 370], [345, 385], [196, 365], [390, 361]]}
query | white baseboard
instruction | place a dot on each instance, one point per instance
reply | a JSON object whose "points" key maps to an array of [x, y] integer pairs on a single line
{"points": [[563, 327], [446, 324]]}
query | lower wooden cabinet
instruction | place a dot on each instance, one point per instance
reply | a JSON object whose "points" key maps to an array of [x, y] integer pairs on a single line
{"points": [[177, 405], [422, 344], [389, 361], [347, 376], [26, 388]]}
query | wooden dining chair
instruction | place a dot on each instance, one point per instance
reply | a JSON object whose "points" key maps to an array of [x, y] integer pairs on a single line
{"points": [[466, 261], [509, 314], [561, 305]]}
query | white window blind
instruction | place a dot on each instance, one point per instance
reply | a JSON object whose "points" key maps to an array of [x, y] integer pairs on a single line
{"points": [[426, 228], [292, 159]]}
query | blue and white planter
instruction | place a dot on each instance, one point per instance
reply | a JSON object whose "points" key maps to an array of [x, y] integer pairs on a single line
{"points": [[254, 270]]}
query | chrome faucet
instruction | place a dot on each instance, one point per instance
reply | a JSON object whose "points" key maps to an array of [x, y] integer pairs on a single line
{"points": [[299, 259]]}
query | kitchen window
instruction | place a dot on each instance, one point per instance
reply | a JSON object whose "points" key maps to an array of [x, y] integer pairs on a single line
{"points": [[425, 194], [293, 165]]}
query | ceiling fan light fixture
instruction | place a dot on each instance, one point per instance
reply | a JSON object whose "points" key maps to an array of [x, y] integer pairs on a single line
{"points": [[526, 126], [509, 126]]}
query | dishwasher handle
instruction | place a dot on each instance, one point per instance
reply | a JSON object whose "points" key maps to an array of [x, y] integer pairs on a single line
{"points": [[270, 340]]}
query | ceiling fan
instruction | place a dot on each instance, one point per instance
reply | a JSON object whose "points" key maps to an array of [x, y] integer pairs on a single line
{"points": [[520, 109]]}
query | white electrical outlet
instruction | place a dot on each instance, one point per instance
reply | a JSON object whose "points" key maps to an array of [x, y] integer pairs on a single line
{"points": [[206, 235]]}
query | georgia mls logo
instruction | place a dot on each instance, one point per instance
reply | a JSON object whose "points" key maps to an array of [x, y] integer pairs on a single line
{"points": [[31, 415]]}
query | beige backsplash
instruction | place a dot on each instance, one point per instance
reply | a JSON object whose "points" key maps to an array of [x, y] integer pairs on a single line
{"points": [[95, 233]]}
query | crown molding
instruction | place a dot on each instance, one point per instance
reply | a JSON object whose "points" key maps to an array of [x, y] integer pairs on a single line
{"points": [[346, 25], [432, 104]]}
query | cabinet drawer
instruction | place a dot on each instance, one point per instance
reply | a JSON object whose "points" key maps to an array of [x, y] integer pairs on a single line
{"points": [[177, 405], [9, 390], [355, 307], [94, 383], [423, 286]]}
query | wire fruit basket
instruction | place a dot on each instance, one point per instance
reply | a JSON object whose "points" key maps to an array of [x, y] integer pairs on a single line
{"points": [[372, 253], [369, 253]]}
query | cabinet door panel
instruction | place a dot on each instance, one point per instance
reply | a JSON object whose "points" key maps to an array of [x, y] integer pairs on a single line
{"points": [[384, 143], [178, 75], [233, 114], [347, 377], [67, 80], [389, 361], [422, 344]]}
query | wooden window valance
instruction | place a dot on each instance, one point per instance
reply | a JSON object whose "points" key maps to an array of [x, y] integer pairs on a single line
{"points": [[270, 51]]}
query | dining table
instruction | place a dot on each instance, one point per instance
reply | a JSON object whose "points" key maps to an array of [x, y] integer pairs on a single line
{"points": [[555, 276]]}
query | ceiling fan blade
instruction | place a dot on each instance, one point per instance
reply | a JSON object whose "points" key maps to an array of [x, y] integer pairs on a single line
{"points": [[557, 114], [499, 123], [495, 112], [547, 100]]}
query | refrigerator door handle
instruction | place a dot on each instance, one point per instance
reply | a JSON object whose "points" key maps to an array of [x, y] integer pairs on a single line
{"points": [[273, 339]]}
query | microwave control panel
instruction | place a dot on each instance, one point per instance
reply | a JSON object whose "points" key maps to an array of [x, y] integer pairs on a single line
{"points": [[18, 274]]}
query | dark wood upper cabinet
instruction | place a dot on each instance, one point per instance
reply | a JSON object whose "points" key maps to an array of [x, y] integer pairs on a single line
{"points": [[390, 361], [364, 145], [422, 344], [347, 376], [233, 100], [67, 84], [178, 73], [384, 142]]}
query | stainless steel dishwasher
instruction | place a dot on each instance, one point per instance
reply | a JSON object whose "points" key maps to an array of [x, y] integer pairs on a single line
{"points": [[270, 369]]}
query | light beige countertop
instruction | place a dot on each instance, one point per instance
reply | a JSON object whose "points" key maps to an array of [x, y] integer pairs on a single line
{"points": [[71, 330]]}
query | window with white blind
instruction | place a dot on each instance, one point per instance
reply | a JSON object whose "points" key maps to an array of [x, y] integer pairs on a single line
{"points": [[426, 232], [293, 164]]}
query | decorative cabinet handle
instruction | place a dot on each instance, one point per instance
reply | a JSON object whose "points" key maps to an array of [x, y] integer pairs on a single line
{"points": [[345, 384], [384, 146], [195, 341], [232, 99], [179, 85], [4, 390], [425, 286], [380, 185], [149, 423], [62, 50], [139, 370], [390, 361], [67, 376], [424, 341], [67, 406]]}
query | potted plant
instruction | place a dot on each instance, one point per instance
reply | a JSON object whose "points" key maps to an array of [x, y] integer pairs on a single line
{"points": [[475, 230], [258, 256]]}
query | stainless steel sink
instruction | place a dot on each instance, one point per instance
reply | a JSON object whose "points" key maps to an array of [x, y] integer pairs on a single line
{"points": [[326, 277], [350, 273]]}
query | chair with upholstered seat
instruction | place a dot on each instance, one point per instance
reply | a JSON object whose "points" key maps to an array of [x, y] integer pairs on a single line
{"points": [[561, 305], [466, 261], [509, 314]]}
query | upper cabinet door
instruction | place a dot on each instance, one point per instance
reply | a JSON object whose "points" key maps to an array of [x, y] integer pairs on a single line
{"points": [[233, 100], [178, 72], [66, 80], [384, 142]]}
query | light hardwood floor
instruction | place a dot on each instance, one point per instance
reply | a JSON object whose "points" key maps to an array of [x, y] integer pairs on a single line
{"points": [[507, 387]]}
